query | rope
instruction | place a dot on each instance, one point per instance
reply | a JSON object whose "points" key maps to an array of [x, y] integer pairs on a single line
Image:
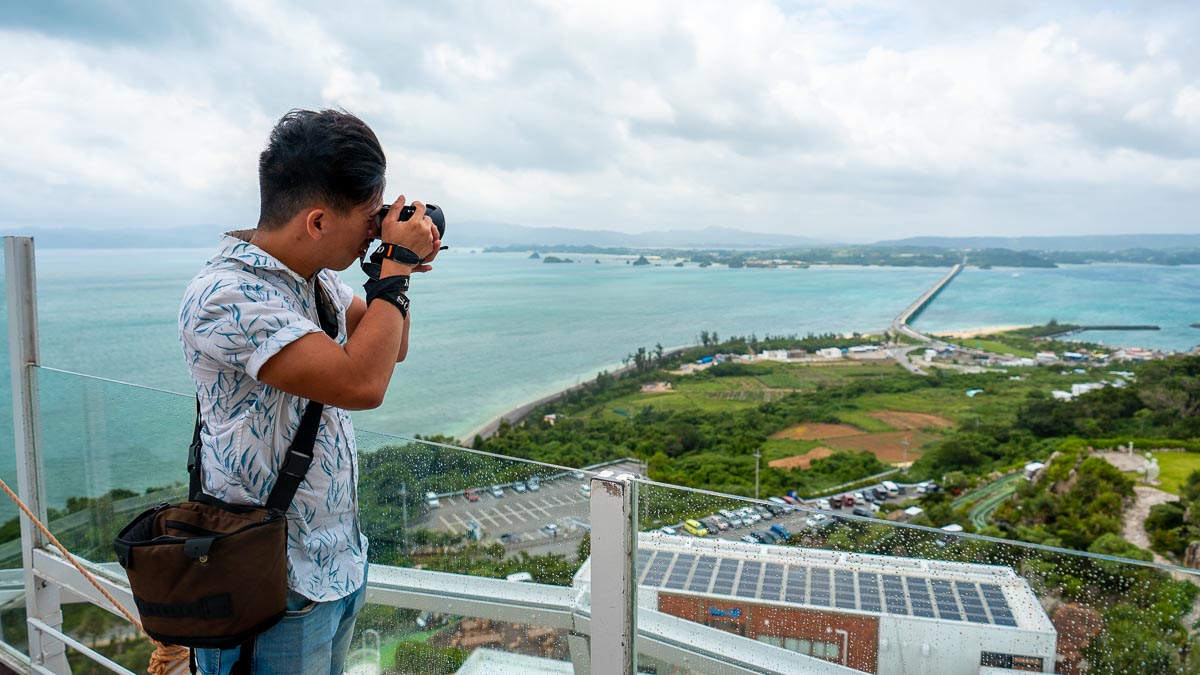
{"points": [[166, 658]]}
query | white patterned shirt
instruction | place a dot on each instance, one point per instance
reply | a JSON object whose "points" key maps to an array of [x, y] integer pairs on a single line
{"points": [[240, 310]]}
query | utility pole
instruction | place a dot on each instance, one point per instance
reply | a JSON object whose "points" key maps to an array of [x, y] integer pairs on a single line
{"points": [[404, 515], [757, 456]]}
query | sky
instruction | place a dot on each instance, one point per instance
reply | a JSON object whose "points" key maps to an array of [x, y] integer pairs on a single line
{"points": [[845, 120]]}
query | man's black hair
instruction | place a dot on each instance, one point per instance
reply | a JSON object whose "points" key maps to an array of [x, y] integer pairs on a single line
{"points": [[329, 157]]}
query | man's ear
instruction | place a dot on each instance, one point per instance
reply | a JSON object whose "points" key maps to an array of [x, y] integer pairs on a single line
{"points": [[314, 224]]}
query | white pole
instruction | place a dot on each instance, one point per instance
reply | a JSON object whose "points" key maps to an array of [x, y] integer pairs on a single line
{"points": [[42, 602]]}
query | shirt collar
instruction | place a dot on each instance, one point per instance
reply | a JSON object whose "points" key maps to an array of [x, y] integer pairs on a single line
{"points": [[235, 245]]}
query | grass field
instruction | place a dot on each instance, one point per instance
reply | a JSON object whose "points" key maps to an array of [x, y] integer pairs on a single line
{"points": [[1174, 468]]}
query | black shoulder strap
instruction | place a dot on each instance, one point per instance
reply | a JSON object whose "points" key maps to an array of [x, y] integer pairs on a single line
{"points": [[299, 454], [195, 484]]}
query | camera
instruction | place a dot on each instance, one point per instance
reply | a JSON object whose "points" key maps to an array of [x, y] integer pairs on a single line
{"points": [[435, 214], [373, 265]]}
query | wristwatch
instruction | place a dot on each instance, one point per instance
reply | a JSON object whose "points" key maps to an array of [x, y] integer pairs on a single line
{"points": [[396, 252]]}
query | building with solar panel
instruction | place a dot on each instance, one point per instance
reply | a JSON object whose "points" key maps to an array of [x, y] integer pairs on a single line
{"points": [[877, 614]]}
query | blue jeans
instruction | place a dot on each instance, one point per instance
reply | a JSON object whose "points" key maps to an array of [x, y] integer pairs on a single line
{"points": [[312, 638]]}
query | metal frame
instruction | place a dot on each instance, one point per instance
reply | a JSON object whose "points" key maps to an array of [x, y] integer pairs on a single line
{"points": [[613, 598], [42, 600]]}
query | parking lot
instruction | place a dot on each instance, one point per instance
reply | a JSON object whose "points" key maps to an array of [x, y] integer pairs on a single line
{"points": [[795, 518], [551, 519]]}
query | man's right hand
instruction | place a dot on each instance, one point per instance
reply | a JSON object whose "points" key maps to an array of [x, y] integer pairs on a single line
{"points": [[417, 234]]}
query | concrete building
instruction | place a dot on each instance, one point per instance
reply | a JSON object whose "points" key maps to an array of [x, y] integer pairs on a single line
{"points": [[876, 614], [830, 353]]}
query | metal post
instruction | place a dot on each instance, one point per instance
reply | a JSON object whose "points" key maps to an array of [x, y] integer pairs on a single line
{"points": [[42, 602], [614, 574], [757, 456]]}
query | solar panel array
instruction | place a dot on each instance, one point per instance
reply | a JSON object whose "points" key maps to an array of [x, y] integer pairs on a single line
{"points": [[819, 586]]}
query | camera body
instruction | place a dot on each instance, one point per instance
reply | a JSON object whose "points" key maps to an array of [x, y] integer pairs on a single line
{"points": [[373, 265], [432, 210]]}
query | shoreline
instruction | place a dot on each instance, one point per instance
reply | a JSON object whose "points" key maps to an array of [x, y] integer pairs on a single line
{"points": [[518, 414], [976, 332]]}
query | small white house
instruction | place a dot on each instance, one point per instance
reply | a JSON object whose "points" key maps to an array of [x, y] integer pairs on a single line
{"points": [[830, 353]]}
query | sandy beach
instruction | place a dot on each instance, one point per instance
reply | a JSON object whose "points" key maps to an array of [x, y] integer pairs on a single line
{"points": [[976, 332]]}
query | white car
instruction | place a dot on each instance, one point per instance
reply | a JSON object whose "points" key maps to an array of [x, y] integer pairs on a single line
{"points": [[816, 520], [519, 487], [497, 491], [824, 505], [550, 528], [750, 517], [533, 484], [585, 490], [667, 529]]}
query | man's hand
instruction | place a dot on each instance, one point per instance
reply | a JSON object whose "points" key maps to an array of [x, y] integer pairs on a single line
{"points": [[417, 234]]}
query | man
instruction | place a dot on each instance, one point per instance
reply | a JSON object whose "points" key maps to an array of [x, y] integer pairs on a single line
{"points": [[250, 325]]}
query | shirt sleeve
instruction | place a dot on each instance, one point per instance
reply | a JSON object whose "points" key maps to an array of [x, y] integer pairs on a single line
{"points": [[242, 325]]}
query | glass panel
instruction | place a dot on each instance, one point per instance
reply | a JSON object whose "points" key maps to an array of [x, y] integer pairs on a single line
{"points": [[879, 596], [12, 601], [113, 449]]}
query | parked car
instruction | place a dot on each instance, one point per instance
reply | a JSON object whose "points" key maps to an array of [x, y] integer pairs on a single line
{"points": [[471, 495], [862, 511], [837, 501], [817, 521], [881, 493], [764, 512], [667, 529], [431, 500], [749, 516], [782, 531], [497, 491], [848, 500], [586, 489], [722, 524], [867, 496], [767, 536], [551, 529], [519, 487], [777, 503], [824, 505], [533, 484], [695, 528], [750, 539]]}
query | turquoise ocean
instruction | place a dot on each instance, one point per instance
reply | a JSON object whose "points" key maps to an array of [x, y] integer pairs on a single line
{"points": [[494, 330]]}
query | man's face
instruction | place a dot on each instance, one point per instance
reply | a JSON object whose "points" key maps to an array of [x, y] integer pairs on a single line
{"points": [[348, 235]]}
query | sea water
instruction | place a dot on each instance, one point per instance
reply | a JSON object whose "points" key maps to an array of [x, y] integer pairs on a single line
{"points": [[494, 330]]}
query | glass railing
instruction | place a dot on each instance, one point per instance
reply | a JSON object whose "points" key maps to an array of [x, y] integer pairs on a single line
{"points": [[874, 594], [112, 450], [480, 563]]}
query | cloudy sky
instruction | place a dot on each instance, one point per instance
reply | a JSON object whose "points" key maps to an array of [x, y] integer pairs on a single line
{"points": [[846, 120]]}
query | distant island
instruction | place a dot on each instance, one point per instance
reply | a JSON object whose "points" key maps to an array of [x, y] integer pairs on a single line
{"points": [[881, 256], [556, 259]]}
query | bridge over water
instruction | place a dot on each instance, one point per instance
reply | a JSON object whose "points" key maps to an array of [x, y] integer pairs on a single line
{"points": [[900, 323]]}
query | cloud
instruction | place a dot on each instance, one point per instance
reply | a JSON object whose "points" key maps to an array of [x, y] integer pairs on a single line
{"points": [[870, 119]]}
